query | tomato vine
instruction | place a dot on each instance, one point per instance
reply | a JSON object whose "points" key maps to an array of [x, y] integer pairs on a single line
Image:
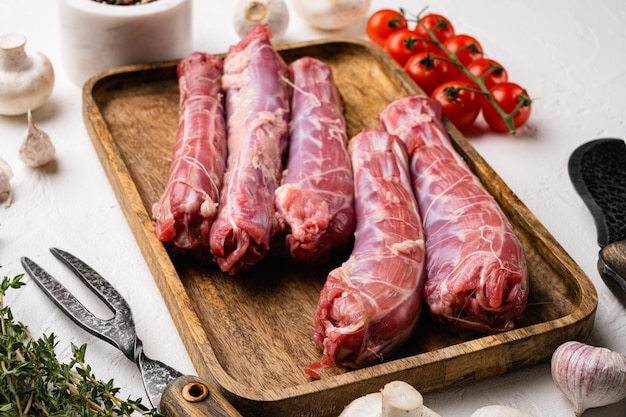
{"points": [[433, 54]]}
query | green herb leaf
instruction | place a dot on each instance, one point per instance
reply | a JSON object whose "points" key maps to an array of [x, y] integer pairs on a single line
{"points": [[33, 382]]}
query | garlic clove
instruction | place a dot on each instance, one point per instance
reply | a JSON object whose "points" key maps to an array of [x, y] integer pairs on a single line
{"points": [[5, 182], [273, 13], [500, 411], [37, 149], [589, 376]]}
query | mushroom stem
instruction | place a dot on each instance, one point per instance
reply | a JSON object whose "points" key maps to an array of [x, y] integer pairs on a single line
{"points": [[401, 399], [256, 11]]}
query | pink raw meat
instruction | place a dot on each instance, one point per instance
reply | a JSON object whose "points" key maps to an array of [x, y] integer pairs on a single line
{"points": [[186, 209], [477, 276], [371, 304], [257, 108], [314, 203]]}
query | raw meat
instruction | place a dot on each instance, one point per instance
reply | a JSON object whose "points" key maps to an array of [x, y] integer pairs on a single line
{"points": [[257, 107], [314, 203], [188, 206], [371, 304], [476, 270]]}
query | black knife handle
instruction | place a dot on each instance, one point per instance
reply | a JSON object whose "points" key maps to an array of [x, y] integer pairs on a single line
{"points": [[598, 171]]}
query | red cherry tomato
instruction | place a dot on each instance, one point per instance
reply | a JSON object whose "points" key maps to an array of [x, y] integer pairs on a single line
{"points": [[400, 45], [428, 71], [459, 105], [465, 47], [382, 23], [489, 70], [509, 97], [436, 23]]}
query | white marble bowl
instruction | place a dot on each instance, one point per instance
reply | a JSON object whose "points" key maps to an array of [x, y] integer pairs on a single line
{"points": [[97, 36]]}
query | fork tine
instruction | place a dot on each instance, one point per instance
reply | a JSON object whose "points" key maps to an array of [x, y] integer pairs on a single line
{"points": [[100, 286], [119, 330], [62, 297]]}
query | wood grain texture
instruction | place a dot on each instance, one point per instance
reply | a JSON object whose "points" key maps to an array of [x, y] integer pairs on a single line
{"points": [[190, 396], [250, 335]]}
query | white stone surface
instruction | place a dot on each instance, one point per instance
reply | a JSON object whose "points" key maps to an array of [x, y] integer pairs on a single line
{"points": [[569, 55]]}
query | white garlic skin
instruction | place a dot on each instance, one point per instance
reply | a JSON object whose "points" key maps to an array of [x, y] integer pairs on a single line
{"points": [[500, 411], [5, 182], [589, 376], [331, 14], [273, 13], [37, 148], [26, 77]]}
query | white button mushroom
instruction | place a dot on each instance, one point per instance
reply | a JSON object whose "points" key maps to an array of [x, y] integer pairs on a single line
{"points": [[331, 14], [26, 77], [500, 411], [396, 399], [273, 13]]}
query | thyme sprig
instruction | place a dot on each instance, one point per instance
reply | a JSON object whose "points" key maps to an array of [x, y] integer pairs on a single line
{"points": [[33, 382]]}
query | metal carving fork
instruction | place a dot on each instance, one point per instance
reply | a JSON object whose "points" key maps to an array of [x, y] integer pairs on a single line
{"points": [[120, 332]]}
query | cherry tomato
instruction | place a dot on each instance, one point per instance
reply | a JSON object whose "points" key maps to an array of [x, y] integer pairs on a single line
{"points": [[489, 70], [404, 43], [509, 96], [459, 105], [466, 48], [382, 23], [436, 23], [428, 71]]}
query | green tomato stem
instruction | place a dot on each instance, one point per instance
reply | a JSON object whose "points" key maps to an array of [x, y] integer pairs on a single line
{"points": [[453, 59]]}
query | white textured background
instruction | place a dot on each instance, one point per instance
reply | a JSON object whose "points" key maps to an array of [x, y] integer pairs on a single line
{"points": [[568, 54]]}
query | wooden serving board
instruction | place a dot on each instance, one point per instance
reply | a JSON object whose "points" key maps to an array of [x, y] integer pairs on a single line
{"points": [[250, 334]]}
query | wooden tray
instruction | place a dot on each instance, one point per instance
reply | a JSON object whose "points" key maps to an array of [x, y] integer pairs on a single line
{"points": [[250, 335]]}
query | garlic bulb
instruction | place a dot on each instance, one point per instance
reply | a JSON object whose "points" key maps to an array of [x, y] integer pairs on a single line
{"points": [[331, 14], [273, 13], [26, 77], [500, 411], [589, 376], [5, 182], [37, 149], [396, 399]]}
